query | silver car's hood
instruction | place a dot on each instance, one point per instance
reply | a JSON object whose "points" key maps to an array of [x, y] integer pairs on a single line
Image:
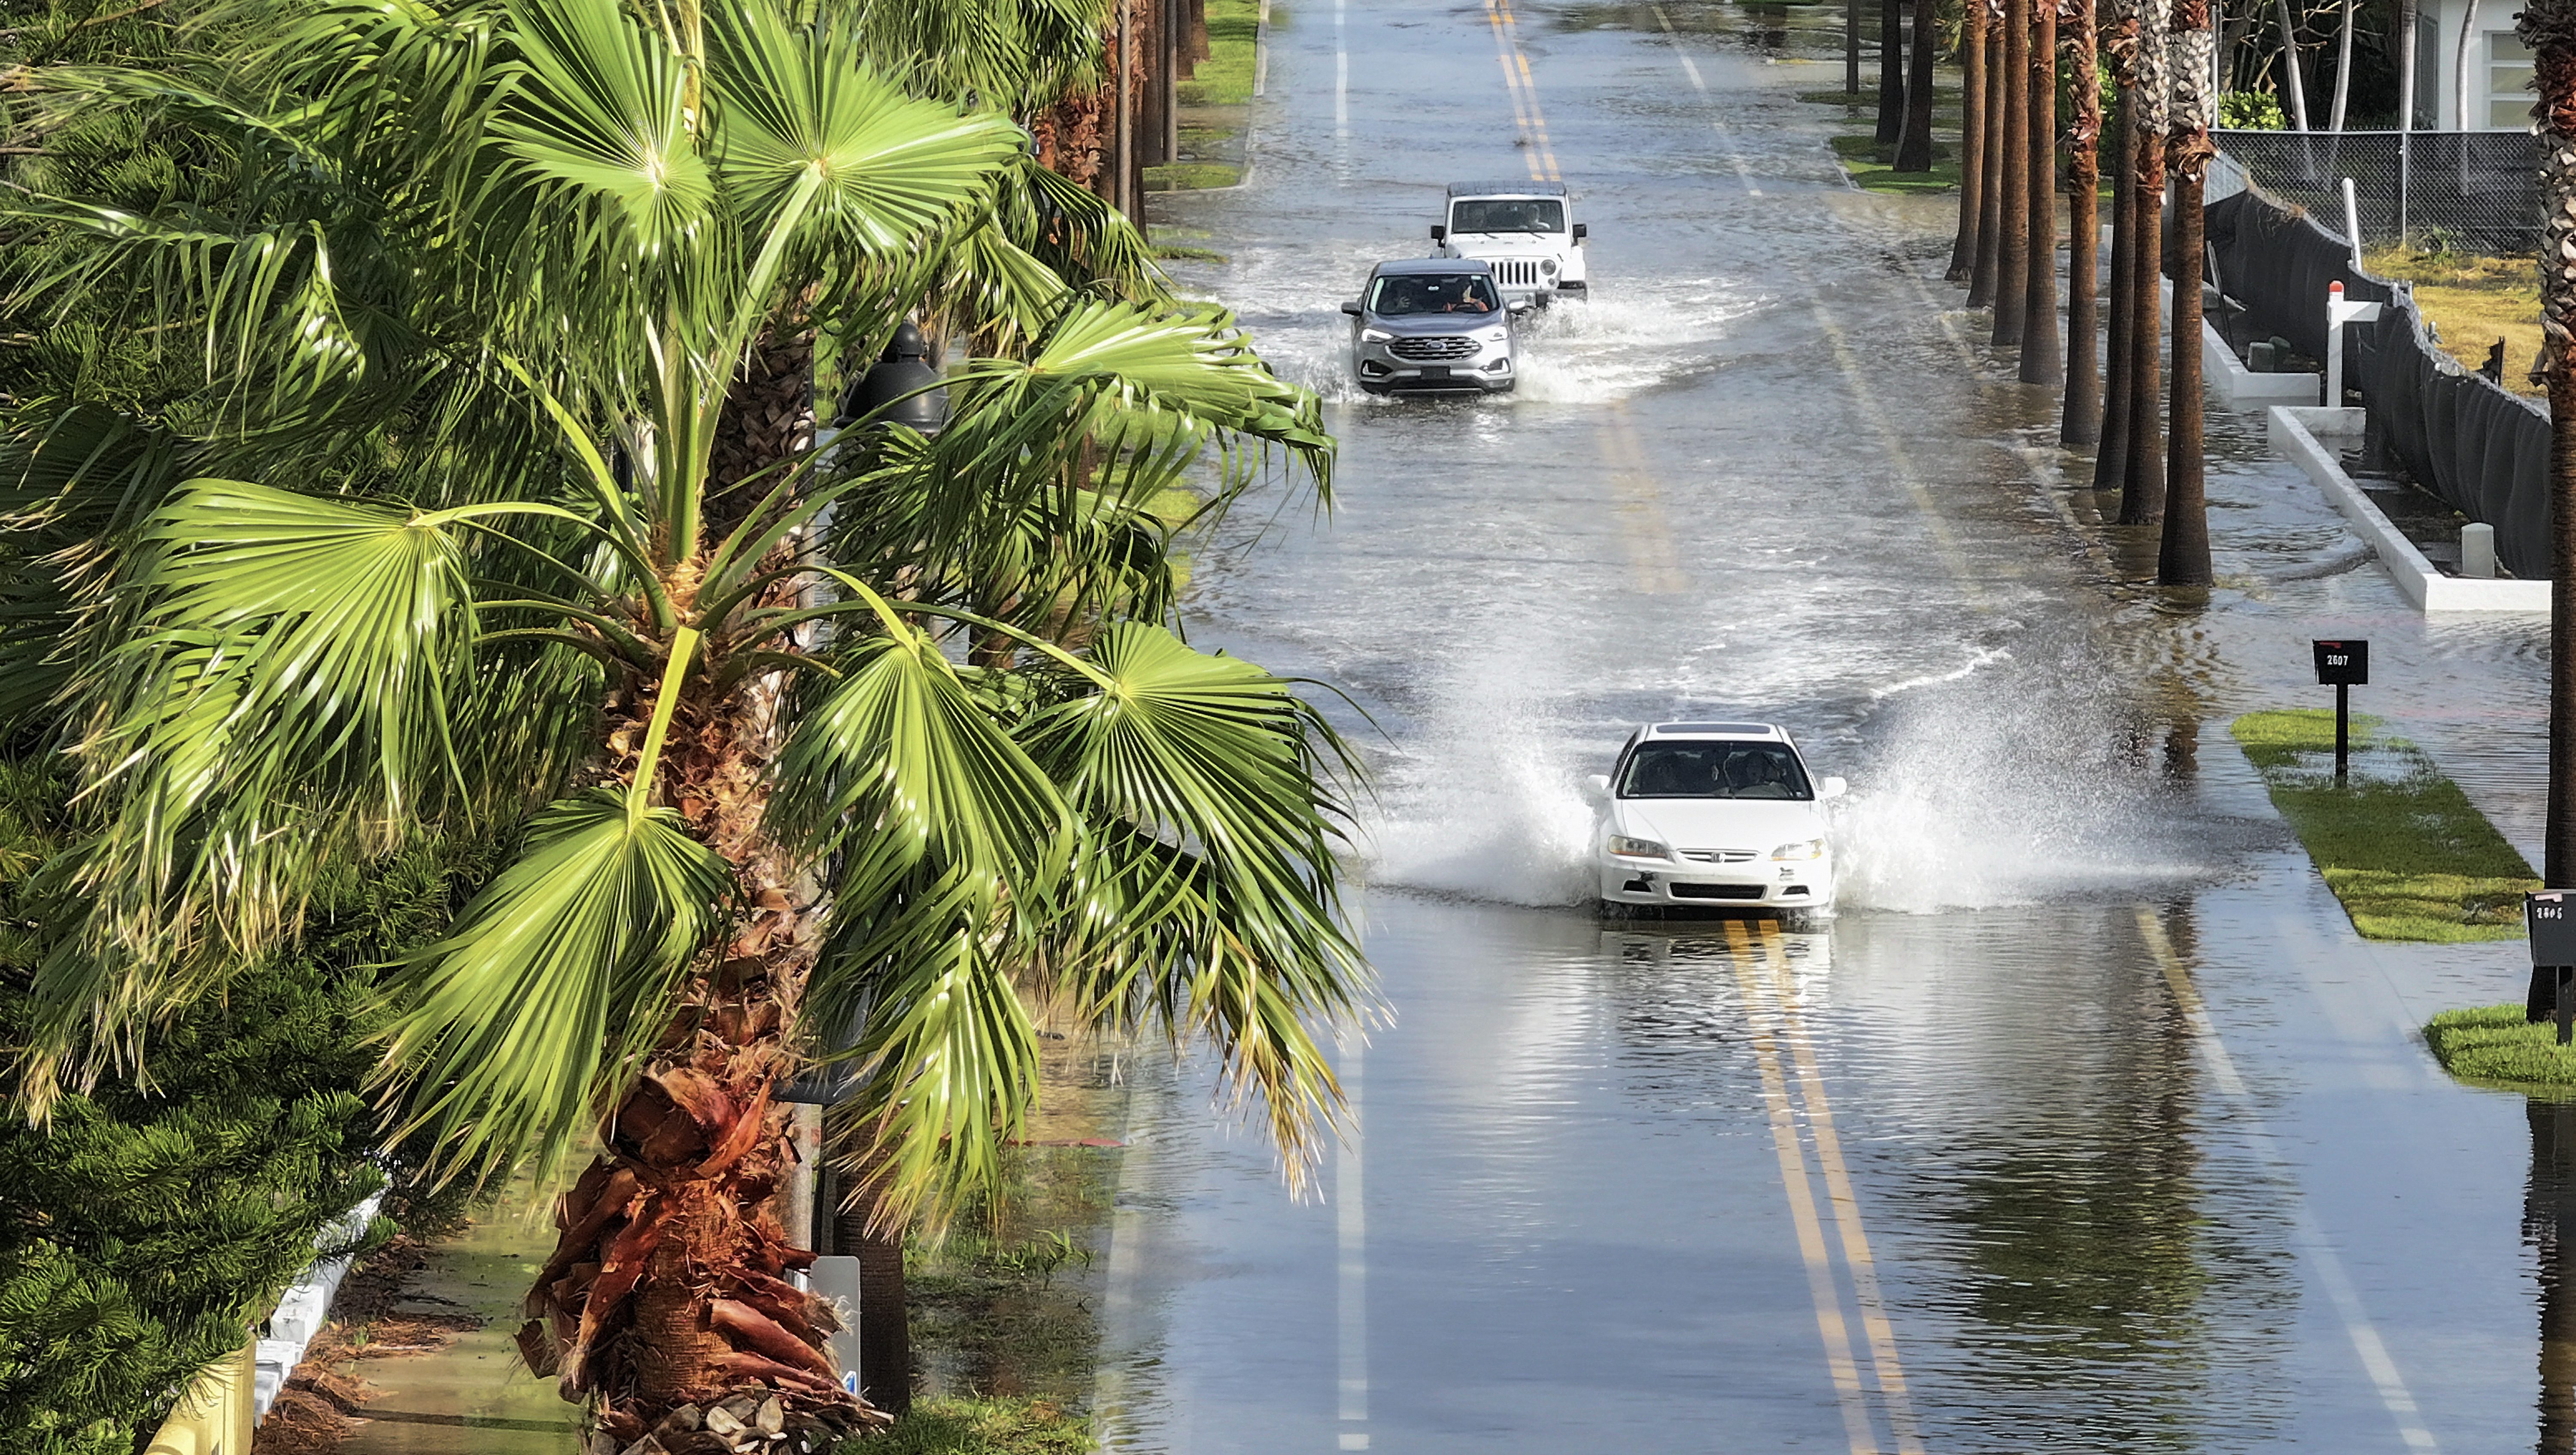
{"points": [[1759, 824], [1416, 325]]}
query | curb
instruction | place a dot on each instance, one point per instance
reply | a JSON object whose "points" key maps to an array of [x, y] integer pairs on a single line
{"points": [[2294, 432]]}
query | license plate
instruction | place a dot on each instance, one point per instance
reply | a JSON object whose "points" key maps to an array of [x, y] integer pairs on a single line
{"points": [[1435, 371]]}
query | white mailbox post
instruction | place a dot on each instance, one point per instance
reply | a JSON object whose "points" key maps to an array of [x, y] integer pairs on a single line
{"points": [[2339, 313]]}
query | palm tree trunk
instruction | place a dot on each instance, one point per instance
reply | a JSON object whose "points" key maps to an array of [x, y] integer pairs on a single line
{"points": [[2082, 423], [2042, 359], [2111, 458], [1891, 70], [2012, 281], [671, 1281], [885, 1315], [1972, 140], [2460, 59], [2291, 78], [2549, 28], [1988, 276], [1914, 153], [1851, 48], [2142, 481], [2184, 559]]}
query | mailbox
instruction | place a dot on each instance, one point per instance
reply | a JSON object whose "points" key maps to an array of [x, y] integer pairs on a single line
{"points": [[2343, 664], [2551, 916]]}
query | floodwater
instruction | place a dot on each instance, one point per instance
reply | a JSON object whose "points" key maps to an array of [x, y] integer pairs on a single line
{"points": [[2089, 1125]]}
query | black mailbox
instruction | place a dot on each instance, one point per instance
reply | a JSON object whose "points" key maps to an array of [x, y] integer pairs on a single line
{"points": [[2551, 916], [2343, 664]]}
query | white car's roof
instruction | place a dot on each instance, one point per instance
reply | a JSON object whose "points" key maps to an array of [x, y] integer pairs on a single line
{"points": [[1712, 730]]}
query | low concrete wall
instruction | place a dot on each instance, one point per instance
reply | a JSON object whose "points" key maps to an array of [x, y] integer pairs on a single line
{"points": [[2302, 434]]}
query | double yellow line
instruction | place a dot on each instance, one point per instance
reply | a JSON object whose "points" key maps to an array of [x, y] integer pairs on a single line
{"points": [[1538, 150], [1803, 1134]]}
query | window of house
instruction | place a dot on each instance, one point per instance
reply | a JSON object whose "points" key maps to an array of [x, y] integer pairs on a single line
{"points": [[2508, 82]]}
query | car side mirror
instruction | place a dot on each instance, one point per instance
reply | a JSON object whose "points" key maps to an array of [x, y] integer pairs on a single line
{"points": [[1599, 785], [1832, 788], [1351, 307], [1581, 231], [1438, 233], [1523, 306]]}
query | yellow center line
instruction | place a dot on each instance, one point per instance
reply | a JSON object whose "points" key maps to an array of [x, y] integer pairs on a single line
{"points": [[1524, 92], [1802, 1202], [1647, 534], [1875, 1323]]}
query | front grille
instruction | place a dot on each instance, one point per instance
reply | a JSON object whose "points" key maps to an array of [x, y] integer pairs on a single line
{"points": [[1514, 272], [1715, 891], [1444, 346], [1719, 856]]}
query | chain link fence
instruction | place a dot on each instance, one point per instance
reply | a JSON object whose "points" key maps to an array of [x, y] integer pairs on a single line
{"points": [[2444, 191]]}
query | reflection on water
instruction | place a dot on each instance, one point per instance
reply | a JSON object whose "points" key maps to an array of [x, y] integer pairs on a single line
{"points": [[2549, 1225]]}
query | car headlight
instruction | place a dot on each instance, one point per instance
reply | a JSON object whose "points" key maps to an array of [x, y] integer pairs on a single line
{"points": [[1811, 849], [1374, 336], [1495, 335], [1547, 266], [1628, 848]]}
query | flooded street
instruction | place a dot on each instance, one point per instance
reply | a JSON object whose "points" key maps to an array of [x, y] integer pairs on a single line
{"points": [[2088, 1125]]}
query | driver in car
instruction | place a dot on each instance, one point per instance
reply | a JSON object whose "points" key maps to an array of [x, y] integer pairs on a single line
{"points": [[1466, 301]]}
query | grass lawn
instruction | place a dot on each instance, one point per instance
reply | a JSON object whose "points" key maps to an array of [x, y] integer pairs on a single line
{"points": [[1225, 77], [2493, 1044], [2473, 301], [960, 1426], [2403, 848], [1872, 165]]}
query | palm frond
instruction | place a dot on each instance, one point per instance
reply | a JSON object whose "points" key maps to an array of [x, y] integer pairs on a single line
{"points": [[532, 1016]]}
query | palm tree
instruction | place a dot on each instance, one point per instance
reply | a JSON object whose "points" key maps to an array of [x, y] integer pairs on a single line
{"points": [[1985, 275], [2142, 489], [2082, 420], [2043, 360], [2012, 278], [484, 517], [2183, 559], [1972, 140], [1914, 152], [2549, 28]]}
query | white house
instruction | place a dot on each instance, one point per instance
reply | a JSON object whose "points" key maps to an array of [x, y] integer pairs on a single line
{"points": [[2498, 67]]}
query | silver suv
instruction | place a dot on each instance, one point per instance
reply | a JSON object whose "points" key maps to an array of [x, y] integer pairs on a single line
{"points": [[1431, 325]]}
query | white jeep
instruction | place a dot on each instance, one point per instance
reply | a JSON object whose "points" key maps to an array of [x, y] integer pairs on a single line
{"points": [[1524, 230]]}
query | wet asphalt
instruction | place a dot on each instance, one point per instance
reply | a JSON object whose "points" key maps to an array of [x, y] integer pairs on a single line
{"points": [[2089, 1125]]}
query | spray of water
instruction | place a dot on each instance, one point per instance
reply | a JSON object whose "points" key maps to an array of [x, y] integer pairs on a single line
{"points": [[1952, 806]]}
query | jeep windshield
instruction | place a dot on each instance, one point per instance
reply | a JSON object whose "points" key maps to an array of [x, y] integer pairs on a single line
{"points": [[1714, 770], [1407, 294], [1534, 214]]}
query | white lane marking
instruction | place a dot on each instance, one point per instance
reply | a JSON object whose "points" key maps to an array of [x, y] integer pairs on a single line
{"points": [[1341, 72], [1118, 1325], [1261, 51], [1725, 138], [1351, 1229], [2311, 1238]]}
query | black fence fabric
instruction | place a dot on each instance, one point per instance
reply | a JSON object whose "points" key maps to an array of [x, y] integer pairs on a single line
{"points": [[2448, 191], [2484, 450]]}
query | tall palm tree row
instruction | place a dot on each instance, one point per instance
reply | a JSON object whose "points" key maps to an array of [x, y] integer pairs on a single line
{"points": [[470, 525]]}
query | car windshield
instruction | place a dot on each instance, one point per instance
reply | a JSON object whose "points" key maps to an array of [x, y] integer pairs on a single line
{"points": [[1714, 770], [1411, 293], [1518, 214]]}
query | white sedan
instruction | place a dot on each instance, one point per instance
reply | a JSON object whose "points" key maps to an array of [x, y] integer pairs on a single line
{"points": [[1716, 815]]}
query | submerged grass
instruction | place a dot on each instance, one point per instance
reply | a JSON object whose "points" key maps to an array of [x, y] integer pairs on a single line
{"points": [[2494, 1045], [963, 1426], [1872, 165], [2400, 845]]}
